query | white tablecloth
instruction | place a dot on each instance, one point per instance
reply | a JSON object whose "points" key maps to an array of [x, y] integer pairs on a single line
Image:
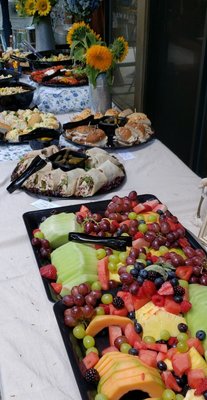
{"points": [[33, 361]]}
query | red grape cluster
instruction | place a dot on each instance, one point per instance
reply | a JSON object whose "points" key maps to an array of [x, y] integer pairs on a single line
{"points": [[43, 245], [117, 211], [81, 304]]}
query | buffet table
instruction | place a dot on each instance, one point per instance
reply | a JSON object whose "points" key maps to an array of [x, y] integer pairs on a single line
{"points": [[33, 362]]}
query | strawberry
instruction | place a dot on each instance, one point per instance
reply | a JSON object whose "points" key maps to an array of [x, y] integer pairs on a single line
{"points": [[201, 388], [149, 288], [154, 259], [173, 340], [185, 306], [57, 287], [158, 300], [138, 235], [184, 272], [48, 271], [166, 289], [183, 242]]}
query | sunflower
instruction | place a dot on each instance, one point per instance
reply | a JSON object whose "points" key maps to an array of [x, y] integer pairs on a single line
{"points": [[78, 32], [99, 57], [30, 7], [43, 7], [120, 48]]}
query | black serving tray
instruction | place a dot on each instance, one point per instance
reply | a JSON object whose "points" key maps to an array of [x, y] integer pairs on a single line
{"points": [[32, 220]]}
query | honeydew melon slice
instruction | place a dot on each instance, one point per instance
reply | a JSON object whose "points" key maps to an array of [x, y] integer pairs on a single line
{"points": [[57, 226], [196, 317], [74, 256]]}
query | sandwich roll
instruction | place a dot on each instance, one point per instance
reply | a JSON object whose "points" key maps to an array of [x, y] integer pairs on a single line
{"points": [[97, 156], [111, 112], [125, 136], [139, 117], [96, 137], [111, 171], [90, 182], [68, 184]]}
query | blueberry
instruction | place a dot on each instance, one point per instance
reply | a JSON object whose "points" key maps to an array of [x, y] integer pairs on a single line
{"points": [[133, 352], [182, 327], [171, 274], [161, 365], [158, 282], [174, 282], [178, 299], [131, 315], [140, 280], [201, 335], [138, 265], [143, 273], [134, 272], [137, 327], [141, 221]]}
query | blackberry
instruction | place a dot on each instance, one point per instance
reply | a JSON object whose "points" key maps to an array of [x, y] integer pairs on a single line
{"points": [[118, 302], [152, 275], [92, 375], [179, 290]]}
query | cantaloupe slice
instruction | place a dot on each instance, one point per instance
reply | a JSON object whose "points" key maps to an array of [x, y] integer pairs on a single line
{"points": [[119, 384], [103, 321]]}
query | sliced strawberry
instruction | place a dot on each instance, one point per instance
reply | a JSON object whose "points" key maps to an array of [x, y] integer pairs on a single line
{"points": [[183, 242], [138, 235], [48, 271], [57, 287], [172, 341], [166, 289]]}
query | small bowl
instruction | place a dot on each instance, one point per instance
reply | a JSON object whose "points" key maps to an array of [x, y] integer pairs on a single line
{"points": [[109, 124], [38, 63], [7, 75], [38, 144], [67, 159], [16, 101]]}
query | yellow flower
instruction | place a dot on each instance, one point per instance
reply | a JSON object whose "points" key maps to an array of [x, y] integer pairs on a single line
{"points": [[120, 48], [43, 7], [78, 32], [30, 7], [99, 57]]}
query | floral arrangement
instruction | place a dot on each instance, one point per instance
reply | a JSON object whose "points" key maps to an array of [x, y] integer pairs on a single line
{"points": [[35, 8], [82, 8], [87, 47]]}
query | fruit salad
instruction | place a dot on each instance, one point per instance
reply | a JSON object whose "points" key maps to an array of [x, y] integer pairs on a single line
{"points": [[137, 316]]}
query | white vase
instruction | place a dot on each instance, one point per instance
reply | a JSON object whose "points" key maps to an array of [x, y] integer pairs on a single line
{"points": [[100, 96], [44, 36]]}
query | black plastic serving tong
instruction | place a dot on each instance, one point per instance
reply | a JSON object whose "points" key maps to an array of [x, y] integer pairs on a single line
{"points": [[117, 243], [35, 166]]}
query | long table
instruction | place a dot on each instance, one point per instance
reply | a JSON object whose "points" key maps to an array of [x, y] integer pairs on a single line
{"points": [[33, 360]]}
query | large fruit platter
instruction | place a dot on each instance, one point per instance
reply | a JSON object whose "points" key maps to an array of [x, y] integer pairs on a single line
{"points": [[59, 76], [133, 317]]}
